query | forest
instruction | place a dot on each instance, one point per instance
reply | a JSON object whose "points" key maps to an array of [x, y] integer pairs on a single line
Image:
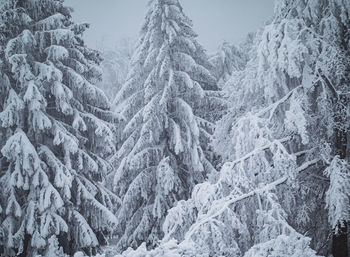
{"points": [[157, 148]]}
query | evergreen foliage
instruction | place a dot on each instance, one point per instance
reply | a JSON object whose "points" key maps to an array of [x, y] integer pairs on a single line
{"points": [[56, 133], [287, 161], [161, 155]]}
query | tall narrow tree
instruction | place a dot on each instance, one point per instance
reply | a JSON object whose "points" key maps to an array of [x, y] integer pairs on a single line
{"points": [[161, 157], [54, 134]]}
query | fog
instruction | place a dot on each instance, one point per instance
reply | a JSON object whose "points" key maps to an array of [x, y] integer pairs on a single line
{"points": [[214, 20]]}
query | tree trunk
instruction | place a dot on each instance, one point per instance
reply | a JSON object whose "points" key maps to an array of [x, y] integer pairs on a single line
{"points": [[348, 159], [340, 243]]}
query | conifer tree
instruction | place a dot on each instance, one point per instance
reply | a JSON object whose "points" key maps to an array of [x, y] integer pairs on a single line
{"points": [[230, 58], [54, 134], [162, 102], [287, 160], [115, 65]]}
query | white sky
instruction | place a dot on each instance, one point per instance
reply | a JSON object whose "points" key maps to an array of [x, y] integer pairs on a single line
{"points": [[214, 20]]}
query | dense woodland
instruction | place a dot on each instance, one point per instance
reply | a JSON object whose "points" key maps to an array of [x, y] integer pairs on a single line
{"points": [[243, 152]]}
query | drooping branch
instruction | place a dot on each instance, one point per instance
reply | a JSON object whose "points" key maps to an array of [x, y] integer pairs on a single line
{"points": [[274, 106], [229, 200], [328, 83], [256, 150]]}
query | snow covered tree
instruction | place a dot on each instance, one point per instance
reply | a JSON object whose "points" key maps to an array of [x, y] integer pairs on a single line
{"points": [[54, 249], [115, 65], [170, 248], [230, 58], [288, 157], [337, 197], [300, 70], [161, 156], [55, 129]]}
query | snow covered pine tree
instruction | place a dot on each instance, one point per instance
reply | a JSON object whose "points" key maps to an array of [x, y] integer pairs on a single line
{"points": [[230, 58], [292, 96], [115, 65], [288, 161], [54, 134], [161, 156]]}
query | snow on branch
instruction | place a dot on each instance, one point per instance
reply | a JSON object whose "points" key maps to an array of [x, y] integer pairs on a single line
{"points": [[229, 200]]}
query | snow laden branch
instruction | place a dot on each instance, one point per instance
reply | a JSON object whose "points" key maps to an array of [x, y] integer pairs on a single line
{"points": [[255, 151], [272, 108], [229, 200], [338, 194]]}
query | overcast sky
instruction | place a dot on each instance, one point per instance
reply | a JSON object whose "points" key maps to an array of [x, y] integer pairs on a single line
{"points": [[214, 20]]}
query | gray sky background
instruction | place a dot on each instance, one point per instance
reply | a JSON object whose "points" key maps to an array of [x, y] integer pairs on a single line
{"points": [[214, 20]]}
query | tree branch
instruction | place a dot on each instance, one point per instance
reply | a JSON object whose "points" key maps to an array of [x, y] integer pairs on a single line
{"points": [[229, 200], [328, 83]]}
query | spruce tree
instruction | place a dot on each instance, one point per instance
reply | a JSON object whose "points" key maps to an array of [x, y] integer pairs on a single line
{"points": [[229, 59], [287, 160], [115, 65], [55, 134], [161, 156]]}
